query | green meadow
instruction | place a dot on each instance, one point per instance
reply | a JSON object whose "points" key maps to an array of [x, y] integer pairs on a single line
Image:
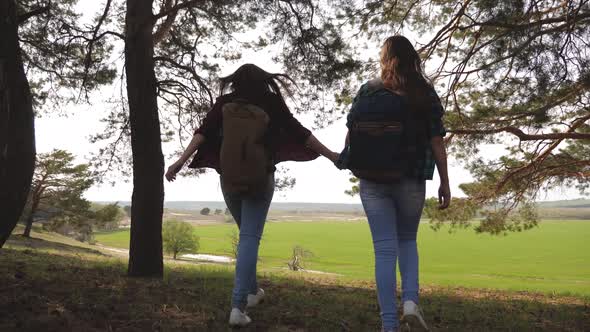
{"points": [[552, 258]]}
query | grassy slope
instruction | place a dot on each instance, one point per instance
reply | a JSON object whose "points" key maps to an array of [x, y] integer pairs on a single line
{"points": [[551, 258], [51, 242], [72, 289]]}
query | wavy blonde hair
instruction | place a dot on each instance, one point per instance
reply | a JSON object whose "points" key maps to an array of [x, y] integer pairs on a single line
{"points": [[401, 67]]}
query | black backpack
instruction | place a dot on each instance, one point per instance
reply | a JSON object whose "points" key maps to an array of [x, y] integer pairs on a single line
{"points": [[383, 141]]}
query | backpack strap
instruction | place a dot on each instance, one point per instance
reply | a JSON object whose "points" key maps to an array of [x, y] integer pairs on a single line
{"points": [[240, 101]]}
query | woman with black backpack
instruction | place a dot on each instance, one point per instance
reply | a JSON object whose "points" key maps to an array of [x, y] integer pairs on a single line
{"points": [[395, 138], [247, 132]]}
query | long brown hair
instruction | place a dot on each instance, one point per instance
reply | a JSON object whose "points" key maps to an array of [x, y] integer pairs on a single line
{"points": [[252, 80], [401, 70]]}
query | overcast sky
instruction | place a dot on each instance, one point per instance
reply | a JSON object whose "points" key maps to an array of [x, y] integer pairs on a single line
{"points": [[317, 181]]}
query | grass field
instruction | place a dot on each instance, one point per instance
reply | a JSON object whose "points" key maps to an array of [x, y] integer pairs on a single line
{"points": [[553, 258], [49, 283]]}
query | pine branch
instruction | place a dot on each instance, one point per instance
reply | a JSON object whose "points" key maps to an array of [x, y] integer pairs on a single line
{"points": [[522, 135], [36, 12], [189, 70], [88, 58], [165, 27], [176, 8], [542, 156]]}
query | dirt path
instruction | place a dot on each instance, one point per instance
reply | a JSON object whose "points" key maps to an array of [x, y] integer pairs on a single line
{"points": [[200, 259], [124, 253]]}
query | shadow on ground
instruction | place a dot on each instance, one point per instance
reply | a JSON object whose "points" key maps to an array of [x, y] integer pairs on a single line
{"points": [[44, 245], [53, 292]]}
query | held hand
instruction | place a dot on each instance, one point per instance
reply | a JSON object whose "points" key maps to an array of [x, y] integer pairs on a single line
{"points": [[172, 170], [333, 156], [444, 196]]}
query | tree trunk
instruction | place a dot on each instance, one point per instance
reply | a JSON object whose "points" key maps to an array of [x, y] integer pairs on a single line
{"points": [[145, 250], [27, 232], [17, 129], [34, 206]]}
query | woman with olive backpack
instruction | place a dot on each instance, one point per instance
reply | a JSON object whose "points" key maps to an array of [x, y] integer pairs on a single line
{"points": [[247, 132]]}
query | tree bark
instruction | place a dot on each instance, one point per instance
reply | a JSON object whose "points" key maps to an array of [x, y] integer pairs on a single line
{"points": [[34, 206], [27, 232], [17, 125], [145, 250]]}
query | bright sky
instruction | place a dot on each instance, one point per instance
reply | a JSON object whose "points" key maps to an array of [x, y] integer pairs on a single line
{"points": [[317, 181]]}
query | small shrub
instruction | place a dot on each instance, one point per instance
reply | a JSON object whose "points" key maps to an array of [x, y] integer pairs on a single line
{"points": [[234, 238], [299, 256], [178, 237], [205, 211], [229, 219]]}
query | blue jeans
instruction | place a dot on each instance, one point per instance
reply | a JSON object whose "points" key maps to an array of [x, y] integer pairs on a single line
{"points": [[393, 212], [250, 214]]}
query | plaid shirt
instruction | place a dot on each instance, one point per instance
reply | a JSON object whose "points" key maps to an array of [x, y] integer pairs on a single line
{"points": [[424, 167]]}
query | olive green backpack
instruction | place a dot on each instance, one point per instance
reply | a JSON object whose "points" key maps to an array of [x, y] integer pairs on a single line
{"points": [[245, 162]]}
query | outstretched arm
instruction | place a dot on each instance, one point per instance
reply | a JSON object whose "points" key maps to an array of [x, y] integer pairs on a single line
{"points": [[196, 141], [313, 143], [440, 157]]}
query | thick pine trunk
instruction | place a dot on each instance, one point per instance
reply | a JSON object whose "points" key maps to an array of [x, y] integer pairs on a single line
{"points": [[17, 130], [145, 250]]}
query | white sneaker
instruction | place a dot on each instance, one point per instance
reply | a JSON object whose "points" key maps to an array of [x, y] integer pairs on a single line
{"points": [[255, 299], [413, 315], [238, 318]]}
